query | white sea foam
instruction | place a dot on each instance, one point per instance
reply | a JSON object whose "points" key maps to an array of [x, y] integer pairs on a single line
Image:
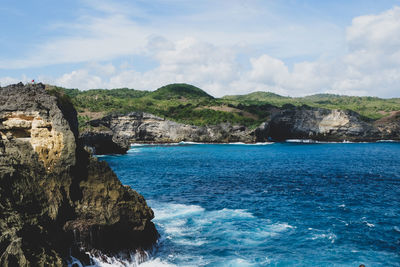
{"points": [[195, 243], [192, 226], [153, 144], [329, 236], [231, 213], [115, 262], [200, 143], [281, 227], [300, 141], [133, 150], [187, 224], [171, 210], [156, 263], [135, 260], [251, 144], [239, 262], [136, 144], [190, 143], [369, 224]]}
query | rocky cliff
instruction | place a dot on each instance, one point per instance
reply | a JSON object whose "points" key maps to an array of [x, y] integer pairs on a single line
{"points": [[319, 124], [114, 133], [57, 201]]}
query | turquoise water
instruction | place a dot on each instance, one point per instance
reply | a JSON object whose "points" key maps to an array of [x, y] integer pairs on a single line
{"points": [[270, 205]]}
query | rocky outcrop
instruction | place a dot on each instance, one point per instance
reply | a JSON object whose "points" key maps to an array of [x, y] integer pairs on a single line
{"points": [[318, 124], [389, 127], [57, 201], [121, 130]]}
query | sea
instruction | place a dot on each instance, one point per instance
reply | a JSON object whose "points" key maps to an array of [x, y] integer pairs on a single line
{"points": [[280, 204]]}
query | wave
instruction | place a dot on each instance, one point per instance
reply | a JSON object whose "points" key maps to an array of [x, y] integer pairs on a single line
{"points": [[187, 229], [311, 141], [134, 259], [133, 262], [154, 144], [250, 144], [300, 141], [329, 236], [192, 227], [133, 150], [322, 234]]}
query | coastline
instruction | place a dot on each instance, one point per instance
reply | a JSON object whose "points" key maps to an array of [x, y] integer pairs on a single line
{"points": [[304, 141]]}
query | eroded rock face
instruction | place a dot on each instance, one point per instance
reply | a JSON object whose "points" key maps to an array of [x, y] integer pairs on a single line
{"points": [[46, 141], [143, 127], [55, 199], [114, 133], [389, 127], [319, 124]]}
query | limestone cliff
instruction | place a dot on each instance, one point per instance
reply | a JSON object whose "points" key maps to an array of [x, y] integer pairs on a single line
{"points": [[56, 200], [114, 133], [319, 124], [121, 130]]}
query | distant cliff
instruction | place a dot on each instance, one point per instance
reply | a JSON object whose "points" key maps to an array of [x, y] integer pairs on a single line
{"points": [[57, 201], [114, 133], [321, 125]]}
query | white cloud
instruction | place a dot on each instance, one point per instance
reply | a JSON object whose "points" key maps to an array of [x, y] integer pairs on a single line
{"points": [[80, 79], [268, 70], [10, 80], [370, 65]]}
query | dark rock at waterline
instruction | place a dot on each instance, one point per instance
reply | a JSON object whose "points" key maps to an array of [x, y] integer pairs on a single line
{"points": [[104, 142], [56, 200]]}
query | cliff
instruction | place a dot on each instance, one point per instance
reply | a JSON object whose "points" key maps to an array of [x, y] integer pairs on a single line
{"points": [[321, 125], [57, 201], [114, 133]]}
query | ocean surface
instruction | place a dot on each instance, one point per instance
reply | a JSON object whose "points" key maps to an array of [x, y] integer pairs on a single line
{"points": [[282, 204]]}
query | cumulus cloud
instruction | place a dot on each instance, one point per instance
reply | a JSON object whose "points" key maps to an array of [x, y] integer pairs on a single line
{"points": [[370, 65], [80, 79]]}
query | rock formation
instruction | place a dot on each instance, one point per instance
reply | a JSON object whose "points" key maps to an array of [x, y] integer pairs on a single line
{"points": [[389, 127], [114, 133], [319, 124], [57, 201]]}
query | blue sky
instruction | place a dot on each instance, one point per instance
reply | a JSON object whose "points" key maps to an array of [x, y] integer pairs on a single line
{"points": [[292, 47]]}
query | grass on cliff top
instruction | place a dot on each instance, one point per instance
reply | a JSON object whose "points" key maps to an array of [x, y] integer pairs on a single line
{"points": [[188, 104], [369, 107]]}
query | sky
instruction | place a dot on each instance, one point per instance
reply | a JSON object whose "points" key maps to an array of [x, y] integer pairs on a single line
{"points": [[225, 47]]}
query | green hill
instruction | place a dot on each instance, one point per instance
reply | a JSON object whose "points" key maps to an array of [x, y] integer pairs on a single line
{"points": [[256, 96], [180, 91]]}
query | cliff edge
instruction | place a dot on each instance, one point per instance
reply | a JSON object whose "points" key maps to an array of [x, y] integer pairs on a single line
{"points": [[56, 200]]}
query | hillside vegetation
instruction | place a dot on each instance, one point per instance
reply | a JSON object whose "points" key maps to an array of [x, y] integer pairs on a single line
{"points": [[188, 104]]}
